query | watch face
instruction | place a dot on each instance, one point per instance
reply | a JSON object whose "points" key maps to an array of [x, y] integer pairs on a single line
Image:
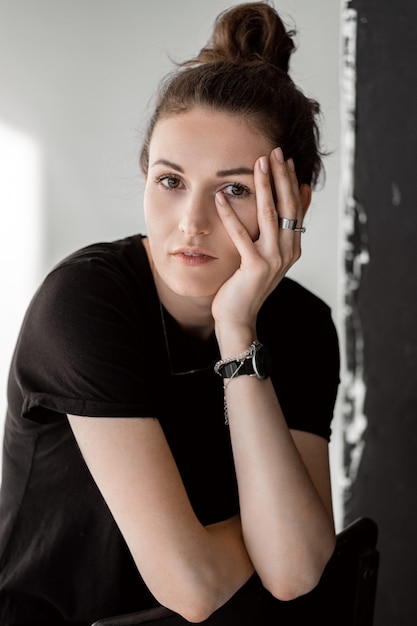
{"points": [[261, 362]]}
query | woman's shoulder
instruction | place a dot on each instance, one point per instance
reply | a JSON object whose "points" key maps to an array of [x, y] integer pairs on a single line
{"points": [[296, 300], [125, 252], [294, 316], [122, 263], [98, 280]]}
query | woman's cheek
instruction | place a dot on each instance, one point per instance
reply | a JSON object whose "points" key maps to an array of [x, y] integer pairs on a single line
{"points": [[249, 219]]}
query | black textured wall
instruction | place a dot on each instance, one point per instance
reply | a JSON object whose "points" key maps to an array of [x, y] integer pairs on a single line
{"points": [[385, 303]]}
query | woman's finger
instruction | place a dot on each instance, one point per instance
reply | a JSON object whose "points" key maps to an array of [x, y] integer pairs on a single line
{"points": [[297, 192], [234, 227], [288, 205], [266, 208]]}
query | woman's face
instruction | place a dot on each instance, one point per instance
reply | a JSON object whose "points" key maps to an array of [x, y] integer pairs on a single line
{"points": [[193, 155]]}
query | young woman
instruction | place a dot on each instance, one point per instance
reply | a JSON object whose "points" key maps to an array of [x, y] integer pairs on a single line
{"points": [[170, 396]]}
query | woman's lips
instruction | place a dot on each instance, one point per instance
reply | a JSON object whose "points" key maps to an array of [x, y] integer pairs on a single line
{"points": [[193, 257]]}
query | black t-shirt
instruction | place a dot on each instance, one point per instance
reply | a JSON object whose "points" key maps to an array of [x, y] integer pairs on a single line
{"points": [[96, 342]]}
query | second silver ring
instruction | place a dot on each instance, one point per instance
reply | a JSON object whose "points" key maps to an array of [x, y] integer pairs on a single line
{"points": [[287, 224]]}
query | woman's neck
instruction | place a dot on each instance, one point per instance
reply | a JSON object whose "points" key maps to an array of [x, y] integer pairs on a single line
{"points": [[192, 314]]}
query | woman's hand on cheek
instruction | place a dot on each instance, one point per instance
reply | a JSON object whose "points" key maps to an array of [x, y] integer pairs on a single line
{"points": [[264, 262]]}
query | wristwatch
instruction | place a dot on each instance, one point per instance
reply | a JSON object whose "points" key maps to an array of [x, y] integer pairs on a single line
{"points": [[255, 362]]}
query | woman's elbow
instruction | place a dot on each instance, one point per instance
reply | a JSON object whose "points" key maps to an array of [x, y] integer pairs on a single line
{"points": [[194, 605], [194, 611], [292, 589], [289, 585], [197, 616]]}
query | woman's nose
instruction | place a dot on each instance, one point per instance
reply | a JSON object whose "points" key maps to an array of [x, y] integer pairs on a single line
{"points": [[196, 216]]}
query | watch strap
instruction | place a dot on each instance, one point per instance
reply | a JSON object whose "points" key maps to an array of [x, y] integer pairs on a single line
{"points": [[253, 362], [237, 368]]}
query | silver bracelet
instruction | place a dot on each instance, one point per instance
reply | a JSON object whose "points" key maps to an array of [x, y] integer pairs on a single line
{"points": [[240, 357]]}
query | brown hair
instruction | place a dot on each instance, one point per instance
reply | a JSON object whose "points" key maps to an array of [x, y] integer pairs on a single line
{"points": [[243, 70]]}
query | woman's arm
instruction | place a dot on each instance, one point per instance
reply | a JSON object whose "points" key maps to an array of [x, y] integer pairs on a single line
{"points": [[191, 569], [284, 490], [283, 479]]}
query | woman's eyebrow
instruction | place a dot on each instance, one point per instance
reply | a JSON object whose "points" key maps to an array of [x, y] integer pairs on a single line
{"points": [[174, 166], [234, 172]]}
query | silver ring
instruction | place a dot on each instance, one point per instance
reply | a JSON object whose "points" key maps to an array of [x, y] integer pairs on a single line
{"points": [[300, 230], [287, 224]]}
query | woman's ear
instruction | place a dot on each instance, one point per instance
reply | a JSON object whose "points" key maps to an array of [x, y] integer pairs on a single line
{"points": [[305, 196]]}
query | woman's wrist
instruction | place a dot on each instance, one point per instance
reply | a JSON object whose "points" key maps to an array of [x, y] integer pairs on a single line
{"points": [[233, 339]]}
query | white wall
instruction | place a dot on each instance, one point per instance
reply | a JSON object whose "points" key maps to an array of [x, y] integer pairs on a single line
{"points": [[76, 80]]}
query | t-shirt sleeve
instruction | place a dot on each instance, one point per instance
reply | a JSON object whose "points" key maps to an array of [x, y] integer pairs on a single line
{"points": [[305, 361], [79, 350]]}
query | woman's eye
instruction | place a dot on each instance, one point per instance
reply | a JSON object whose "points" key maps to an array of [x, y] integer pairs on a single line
{"points": [[237, 190], [169, 182]]}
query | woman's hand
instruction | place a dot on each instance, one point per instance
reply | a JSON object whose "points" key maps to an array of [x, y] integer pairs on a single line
{"points": [[264, 262]]}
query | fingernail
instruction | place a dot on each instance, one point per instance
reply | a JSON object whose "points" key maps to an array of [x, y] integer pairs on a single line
{"points": [[279, 155], [291, 165], [263, 164], [220, 198]]}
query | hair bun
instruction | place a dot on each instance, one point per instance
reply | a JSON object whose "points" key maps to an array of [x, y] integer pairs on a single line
{"points": [[247, 33]]}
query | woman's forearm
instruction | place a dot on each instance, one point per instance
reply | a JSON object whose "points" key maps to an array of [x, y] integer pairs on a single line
{"points": [[287, 530]]}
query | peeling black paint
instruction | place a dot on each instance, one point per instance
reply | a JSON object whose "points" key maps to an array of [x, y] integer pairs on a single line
{"points": [[383, 304]]}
